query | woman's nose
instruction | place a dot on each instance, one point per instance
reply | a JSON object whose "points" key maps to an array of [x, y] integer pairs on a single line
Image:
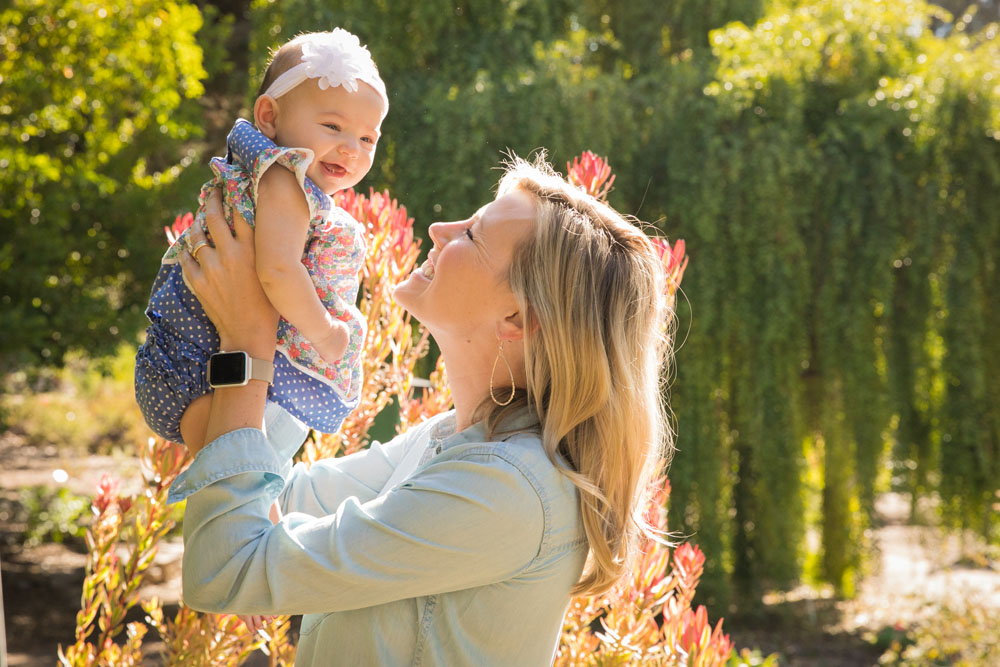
{"points": [[443, 232]]}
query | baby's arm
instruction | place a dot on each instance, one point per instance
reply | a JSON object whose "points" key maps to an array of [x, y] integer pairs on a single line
{"points": [[281, 231]]}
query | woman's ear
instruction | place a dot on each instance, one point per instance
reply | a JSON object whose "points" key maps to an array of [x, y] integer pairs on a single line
{"points": [[265, 116], [513, 326]]}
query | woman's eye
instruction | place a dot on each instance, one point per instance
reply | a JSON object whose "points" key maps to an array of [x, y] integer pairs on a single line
{"points": [[468, 232]]}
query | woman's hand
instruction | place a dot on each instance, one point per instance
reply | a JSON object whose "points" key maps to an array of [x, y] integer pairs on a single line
{"points": [[255, 623], [224, 279]]}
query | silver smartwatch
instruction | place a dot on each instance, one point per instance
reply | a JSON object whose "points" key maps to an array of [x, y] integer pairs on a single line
{"points": [[236, 369]]}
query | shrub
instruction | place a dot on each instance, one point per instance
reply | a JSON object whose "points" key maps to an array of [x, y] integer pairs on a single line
{"points": [[97, 112]]}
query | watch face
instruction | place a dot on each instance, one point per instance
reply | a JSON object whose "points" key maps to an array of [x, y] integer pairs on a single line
{"points": [[227, 368]]}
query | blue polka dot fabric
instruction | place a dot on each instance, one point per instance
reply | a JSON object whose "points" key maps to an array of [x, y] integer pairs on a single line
{"points": [[245, 143], [171, 365]]}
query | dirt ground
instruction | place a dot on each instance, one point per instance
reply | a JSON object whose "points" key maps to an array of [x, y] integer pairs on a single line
{"points": [[919, 568]]}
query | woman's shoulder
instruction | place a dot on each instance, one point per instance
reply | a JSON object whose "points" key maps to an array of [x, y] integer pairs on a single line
{"points": [[524, 452], [523, 455]]}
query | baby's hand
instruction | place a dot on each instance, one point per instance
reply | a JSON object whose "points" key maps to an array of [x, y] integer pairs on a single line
{"points": [[255, 623], [333, 345]]}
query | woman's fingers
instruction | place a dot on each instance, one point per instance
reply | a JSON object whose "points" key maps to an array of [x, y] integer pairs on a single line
{"points": [[190, 267], [255, 623], [215, 220], [241, 228]]}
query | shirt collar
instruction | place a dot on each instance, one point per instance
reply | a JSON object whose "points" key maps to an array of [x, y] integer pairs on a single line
{"points": [[522, 420]]}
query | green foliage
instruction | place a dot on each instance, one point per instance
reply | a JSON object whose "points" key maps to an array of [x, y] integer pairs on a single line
{"points": [[97, 104], [961, 636], [828, 152], [751, 658], [53, 515], [87, 406]]}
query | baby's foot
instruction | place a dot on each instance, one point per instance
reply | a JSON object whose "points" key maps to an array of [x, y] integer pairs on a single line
{"points": [[333, 346]]}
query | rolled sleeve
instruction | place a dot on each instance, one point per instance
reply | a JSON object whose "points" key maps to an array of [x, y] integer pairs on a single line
{"points": [[242, 451], [245, 450], [285, 433]]}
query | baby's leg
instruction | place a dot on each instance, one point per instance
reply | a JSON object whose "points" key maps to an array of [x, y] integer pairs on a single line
{"points": [[165, 387], [194, 422]]}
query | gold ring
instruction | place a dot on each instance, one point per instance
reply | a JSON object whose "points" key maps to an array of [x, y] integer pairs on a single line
{"points": [[198, 246]]}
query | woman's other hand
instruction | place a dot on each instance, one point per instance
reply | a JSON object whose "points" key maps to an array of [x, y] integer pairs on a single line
{"points": [[224, 279], [255, 623]]}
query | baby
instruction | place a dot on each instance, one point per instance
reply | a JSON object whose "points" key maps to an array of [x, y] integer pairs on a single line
{"points": [[318, 115]]}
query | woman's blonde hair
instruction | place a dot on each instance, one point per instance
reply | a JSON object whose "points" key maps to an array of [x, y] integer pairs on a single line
{"points": [[591, 286]]}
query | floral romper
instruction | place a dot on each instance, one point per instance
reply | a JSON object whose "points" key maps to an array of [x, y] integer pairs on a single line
{"points": [[171, 366]]}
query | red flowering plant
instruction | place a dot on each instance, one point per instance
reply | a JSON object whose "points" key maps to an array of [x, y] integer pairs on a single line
{"points": [[122, 543], [181, 222], [592, 174], [647, 617]]}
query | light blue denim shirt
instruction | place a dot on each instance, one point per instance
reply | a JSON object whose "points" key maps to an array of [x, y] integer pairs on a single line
{"points": [[469, 560]]}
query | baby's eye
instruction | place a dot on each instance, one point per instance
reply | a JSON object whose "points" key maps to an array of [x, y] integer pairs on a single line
{"points": [[468, 232], [332, 126], [370, 140]]}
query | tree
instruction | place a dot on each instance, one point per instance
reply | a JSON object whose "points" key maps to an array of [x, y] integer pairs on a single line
{"points": [[98, 108]]}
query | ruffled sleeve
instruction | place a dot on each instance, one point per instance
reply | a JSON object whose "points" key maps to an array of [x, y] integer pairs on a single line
{"points": [[256, 153]]}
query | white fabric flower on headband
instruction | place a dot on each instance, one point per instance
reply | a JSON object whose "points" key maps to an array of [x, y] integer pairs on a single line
{"points": [[334, 58]]}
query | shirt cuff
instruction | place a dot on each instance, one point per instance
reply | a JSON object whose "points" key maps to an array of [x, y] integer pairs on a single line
{"points": [[285, 433], [244, 450]]}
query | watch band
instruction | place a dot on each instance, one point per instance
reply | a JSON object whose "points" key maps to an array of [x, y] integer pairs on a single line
{"points": [[261, 369]]}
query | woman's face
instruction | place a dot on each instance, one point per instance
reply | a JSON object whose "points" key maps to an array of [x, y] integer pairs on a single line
{"points": [[462, 288]]}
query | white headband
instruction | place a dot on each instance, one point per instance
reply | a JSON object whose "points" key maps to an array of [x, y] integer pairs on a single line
{"points": [[336, 58]]}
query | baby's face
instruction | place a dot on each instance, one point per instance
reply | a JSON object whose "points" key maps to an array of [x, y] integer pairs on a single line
{"points": [[342, 128]]}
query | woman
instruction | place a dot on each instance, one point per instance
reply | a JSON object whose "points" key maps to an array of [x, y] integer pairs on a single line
{"points": [[462, 540]]}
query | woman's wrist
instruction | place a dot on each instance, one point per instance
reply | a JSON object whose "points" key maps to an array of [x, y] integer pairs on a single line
{"points": [[253, 344], [234, 408], [257, 336]]}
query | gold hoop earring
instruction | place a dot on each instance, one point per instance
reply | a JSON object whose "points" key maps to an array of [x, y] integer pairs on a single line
{"points": [[509, 372]]}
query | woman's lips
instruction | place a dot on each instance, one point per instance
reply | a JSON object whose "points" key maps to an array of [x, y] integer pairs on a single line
{"points": [[427, 270]]}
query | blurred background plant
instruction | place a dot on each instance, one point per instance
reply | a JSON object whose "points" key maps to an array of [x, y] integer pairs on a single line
{"points": [[964, 637], [51, 515], [85, 405]]}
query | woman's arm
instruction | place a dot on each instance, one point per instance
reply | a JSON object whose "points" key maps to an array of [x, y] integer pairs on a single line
{"points": [[457, 524], [319, 489], [282, 230], [224, 279]]}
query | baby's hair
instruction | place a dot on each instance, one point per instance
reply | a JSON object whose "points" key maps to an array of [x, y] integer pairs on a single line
{"points": [[285, 58]]}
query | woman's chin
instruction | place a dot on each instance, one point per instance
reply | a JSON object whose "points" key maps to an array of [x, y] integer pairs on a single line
{"points": [[409, 287]]}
